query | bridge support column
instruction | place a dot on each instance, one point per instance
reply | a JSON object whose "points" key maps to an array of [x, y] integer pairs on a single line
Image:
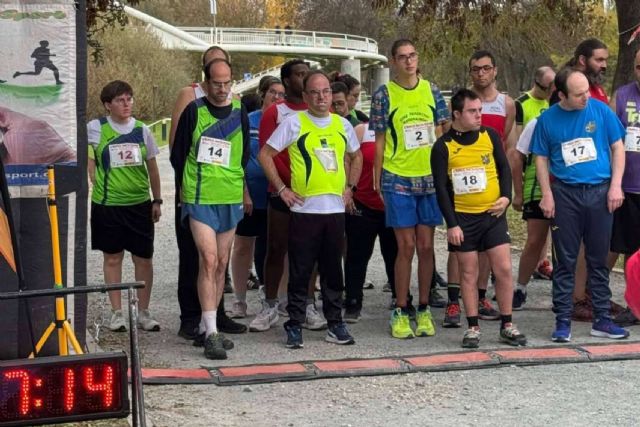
{"points": [[351, 67], [380, 77]]}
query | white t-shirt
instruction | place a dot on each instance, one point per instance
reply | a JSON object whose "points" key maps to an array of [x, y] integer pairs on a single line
{"points": [[93, 134], [286, 134], [525, 137]]}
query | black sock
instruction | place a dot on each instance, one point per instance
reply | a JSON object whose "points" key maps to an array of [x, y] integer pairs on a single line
{"points": [[472, 321], [504, 319], [453, 292], [482, 293], [423, 307]]}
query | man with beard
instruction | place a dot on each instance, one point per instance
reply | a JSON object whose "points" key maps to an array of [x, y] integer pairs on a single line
{"points": [[590, 57]]}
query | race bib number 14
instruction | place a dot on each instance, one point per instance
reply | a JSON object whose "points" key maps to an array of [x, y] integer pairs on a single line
{"points": [[214, 151]]}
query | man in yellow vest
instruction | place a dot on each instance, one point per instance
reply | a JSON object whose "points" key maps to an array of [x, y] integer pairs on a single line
{"points": [[325, 167]]}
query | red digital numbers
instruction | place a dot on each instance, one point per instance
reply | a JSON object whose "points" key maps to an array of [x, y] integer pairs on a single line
{"points": [[22, 376], [105, 387], [69, 389]]}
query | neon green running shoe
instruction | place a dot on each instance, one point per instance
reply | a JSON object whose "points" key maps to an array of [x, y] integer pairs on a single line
{"points": [[400, 325], [424, 324]]}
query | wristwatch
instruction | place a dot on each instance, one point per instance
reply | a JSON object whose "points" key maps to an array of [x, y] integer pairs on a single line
{"points": [[157, 201], [352, 187]]}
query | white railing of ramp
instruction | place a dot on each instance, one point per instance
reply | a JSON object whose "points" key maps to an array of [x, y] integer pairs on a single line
{"points": [[298, 38], [242, 86]]}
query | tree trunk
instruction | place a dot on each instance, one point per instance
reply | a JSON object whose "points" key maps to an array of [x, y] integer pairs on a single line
{"points": [[628, 20]]}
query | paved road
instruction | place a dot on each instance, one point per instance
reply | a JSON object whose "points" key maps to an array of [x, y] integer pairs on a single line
{"points": [[591, 394]]}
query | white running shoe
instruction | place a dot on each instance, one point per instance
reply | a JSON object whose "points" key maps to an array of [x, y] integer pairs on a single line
{"points": [[146, 321], [117, 323], [266, 318], [238, 310], [314, 321]]}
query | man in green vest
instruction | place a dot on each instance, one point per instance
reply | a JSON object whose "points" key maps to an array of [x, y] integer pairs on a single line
{"points": [[526, 188], [325, 167], [209, 153]]}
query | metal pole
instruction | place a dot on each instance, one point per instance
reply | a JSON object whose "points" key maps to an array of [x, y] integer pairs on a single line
{"points": [[138, 413]]}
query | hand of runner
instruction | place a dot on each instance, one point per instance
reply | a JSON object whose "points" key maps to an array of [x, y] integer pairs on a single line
{"points": [[247, 203], [499, 207], [347, 197], [291, 198], [156, 212], [517, 202], [548, 206], [455, 236], [615, 197]]}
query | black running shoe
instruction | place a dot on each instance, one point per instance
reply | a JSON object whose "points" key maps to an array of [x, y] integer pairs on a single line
{"points": [[228, 326], [294, 336], [339, 334], [214, 347]]}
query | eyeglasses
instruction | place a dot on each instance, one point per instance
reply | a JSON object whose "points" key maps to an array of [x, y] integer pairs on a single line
{"points": [[485, 68], [543, 88], [122, 100], [275, 93], [220, 85], [407, 58], [317, 93]]}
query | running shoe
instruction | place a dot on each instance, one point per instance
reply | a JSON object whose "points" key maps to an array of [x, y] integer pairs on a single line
{"points": [[424, 324], [214, 347], [117, 323], [294, 336], [228, 326], [351, 314], [626, 318], [386, 287], [265, 319], [471, 338], [314, 321], [544, 271], [238, 310], [400, 325], [440, 281], [512, 336], [605, 328], [227, 344], [146, 322], [519, 300], [486, 310], [435, 299], [339, 334], [452, 316], [562, 332]]}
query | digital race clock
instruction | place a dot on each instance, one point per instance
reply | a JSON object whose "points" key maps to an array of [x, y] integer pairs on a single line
{"points": [[60, 389]]}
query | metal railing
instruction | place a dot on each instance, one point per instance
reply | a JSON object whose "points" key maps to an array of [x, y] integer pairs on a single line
{"points": [[273, 37]]}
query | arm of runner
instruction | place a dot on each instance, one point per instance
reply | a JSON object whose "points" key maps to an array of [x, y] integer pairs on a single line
{"points": [[185, 96], [439, 162], [267, 153], [547, 204], [615, 196], [182, 141], [504, 176], [154, 181], [378, 161]]}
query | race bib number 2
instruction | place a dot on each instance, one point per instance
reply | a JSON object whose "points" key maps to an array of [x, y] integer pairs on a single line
{"points": [[214, 151], [469, 180], [632, 139], [123, 155], [419, 135], [579, 150]]}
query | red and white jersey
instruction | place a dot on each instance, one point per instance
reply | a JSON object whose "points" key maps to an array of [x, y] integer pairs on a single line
{"points": [[494, 114], [284, 110]]}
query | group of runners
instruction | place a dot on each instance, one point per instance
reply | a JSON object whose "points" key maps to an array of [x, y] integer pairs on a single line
{"points": [[298, 182]]}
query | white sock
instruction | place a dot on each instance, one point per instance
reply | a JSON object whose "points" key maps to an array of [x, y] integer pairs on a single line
{"points": [[522, 288], [210, 324]]}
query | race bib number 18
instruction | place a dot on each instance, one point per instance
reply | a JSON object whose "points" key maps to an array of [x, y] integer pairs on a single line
{"points": [[214, 151], [578, 150], [123, 155], [469, 180], [419, 135], [632, 140]]}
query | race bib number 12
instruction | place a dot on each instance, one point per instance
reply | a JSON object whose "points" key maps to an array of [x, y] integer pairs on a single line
{"points": [[419, 135], [214, 151], [123, 155], [579, 150]]}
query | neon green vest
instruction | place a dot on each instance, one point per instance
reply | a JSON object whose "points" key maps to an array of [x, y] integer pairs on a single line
{"points": [[409, 107], [121, 172], [317, 158], [213, 173], [531, 109]]}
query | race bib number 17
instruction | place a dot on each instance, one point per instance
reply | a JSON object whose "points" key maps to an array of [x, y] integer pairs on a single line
{"points": [[579, 150], [214, 151]]}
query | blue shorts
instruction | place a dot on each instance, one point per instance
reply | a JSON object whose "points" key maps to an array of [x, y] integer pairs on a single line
{"points": [[409, 201], [220, 218]]}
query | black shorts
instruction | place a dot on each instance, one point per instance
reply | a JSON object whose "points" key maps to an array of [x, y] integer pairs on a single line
{"points": [[253, 225], [276, 203], [481, 232], [531, 210], [625, 236], [122, 228]]}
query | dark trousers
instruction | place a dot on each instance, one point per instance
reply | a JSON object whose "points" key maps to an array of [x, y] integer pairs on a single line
{"points": [[315, 238], [581, 214], [362, 228], [188, 264]]}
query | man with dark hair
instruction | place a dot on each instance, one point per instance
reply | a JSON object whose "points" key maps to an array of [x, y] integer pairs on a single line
{"points": [[340, 92], [325, 167], [292, 75], [579, 141], [407, 115], [625, 236], [209, 154], [590, 57], [473, 183]]}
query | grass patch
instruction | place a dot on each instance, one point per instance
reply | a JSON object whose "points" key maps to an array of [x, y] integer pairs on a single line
{"points": [[517, 228]]}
